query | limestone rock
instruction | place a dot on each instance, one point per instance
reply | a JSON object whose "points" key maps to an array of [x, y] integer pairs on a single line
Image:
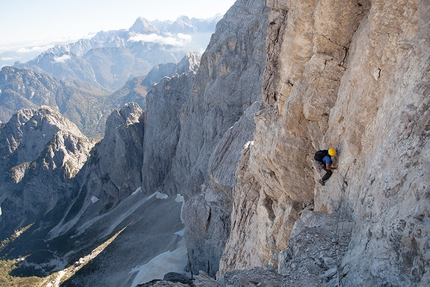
{"points": [[207, 215], [352, 75], [201, 280], [113, 171], [252, 277], [163, 124], [41, 153], [317, 244], [227, 83]]}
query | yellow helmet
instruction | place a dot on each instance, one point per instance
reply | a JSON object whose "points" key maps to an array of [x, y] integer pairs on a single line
{"points": [[331, 152]]}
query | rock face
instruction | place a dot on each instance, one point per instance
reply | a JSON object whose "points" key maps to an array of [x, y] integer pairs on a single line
{"points": [[41, 153], [113, 171], [163, 123], [227, 84], [355, 76]]}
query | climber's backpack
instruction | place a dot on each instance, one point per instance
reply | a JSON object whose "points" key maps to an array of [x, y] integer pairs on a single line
{"points": [[319, 155]]}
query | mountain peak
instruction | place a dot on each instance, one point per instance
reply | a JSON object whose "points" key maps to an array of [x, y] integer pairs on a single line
{"points": [[190, 62], [35, 128], [143, 26]]}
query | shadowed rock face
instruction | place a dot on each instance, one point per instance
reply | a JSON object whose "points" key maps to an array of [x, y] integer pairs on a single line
{"points": [[226, 84], [163, 122], [112, 172]]}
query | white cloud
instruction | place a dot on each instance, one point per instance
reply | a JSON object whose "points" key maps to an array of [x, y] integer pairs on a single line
{"points": [[185, 37], [179, 40], [62, 59], [8, 59], [25, 50]]}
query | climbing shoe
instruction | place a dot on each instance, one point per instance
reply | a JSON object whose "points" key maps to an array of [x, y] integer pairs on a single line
{"points": [[321, 182]]}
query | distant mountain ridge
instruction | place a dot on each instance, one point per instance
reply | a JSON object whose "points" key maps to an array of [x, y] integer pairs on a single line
{"points": [[111, 58], [86, 104], [25, 89]]}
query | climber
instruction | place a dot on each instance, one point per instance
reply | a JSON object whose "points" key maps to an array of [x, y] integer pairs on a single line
{"points": [[323, 157]]}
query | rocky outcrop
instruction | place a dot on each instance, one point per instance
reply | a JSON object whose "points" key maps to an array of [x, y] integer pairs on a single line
{"points": [[352, 75], [41, 152], [221, 93], [113, 171], [208, 214]]}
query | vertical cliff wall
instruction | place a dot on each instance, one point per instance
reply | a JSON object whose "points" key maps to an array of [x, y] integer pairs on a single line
{"points": [[353, 75], [193, 148], [165, 102]]}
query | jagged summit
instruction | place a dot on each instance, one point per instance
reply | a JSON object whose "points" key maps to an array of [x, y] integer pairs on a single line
{"points": [[41, 151], [143, 26], [34, 128], [190, 62]]}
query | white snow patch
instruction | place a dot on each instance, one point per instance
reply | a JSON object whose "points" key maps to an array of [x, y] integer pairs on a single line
{"points": [[0, 211], [94, 199], [179, 198], [170, 261], [160, 195], [137, 190]]}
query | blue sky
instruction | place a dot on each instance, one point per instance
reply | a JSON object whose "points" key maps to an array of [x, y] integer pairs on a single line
{"points": [[25, 23]]}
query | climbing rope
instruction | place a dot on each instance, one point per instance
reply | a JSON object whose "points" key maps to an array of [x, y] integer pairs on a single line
{"points": [[343, 188]]}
